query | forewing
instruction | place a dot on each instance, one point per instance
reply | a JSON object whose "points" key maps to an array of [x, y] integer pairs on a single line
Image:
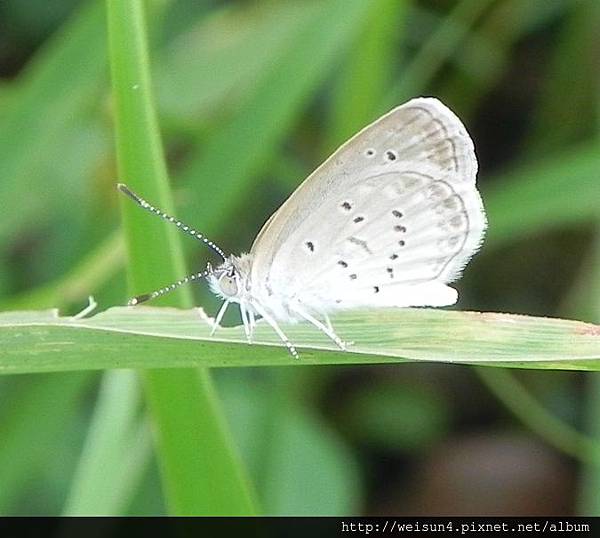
{"points": [[417, 162]]}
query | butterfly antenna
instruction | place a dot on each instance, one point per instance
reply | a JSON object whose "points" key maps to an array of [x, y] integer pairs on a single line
{"points": [[138, 299], [184, 227]]}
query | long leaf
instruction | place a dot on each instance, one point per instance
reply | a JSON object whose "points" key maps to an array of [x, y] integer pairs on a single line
{"points": [[539, 193], [201, 472], [366, 76], [30, 426], [173, 338], [113, 442], [37, 125], [240, 147]]}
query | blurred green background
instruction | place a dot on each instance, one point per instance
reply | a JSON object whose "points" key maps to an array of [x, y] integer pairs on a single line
{"points": [[252, 96]]}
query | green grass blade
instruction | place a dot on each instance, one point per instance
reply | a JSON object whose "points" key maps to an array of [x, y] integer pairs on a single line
{"points": [[487, 52], [203, 447], [589, 300], [92, 271], [37, 125], [558, 121], [588, 502], [201, 472], [172, 338], [437, 49], [111, 446], [216, 64], [366, 76], [544, 195], [240, 147], [539, 193], [527, 409], [308, 469], [287, 446], [30, 425]]}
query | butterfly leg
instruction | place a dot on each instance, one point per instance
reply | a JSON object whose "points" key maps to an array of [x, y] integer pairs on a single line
{"points": [[246, 322], [277, 329], [89, 308], [219, 317], [330, 327], [327, 330], [252, 322]]}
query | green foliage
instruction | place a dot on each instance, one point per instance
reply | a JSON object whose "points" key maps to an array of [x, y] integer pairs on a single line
{"points": [[250, 98], [201, 471], [172, 338]]}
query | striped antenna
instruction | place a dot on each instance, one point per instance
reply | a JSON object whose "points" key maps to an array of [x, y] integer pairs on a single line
{"points": [[191, 278], [184, 227]]}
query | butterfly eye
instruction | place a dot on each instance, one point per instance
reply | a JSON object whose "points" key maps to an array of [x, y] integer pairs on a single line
{"points": [[228, 284]]}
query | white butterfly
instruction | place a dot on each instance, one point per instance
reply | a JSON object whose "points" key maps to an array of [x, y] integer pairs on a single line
{"points": [[388, 220]]}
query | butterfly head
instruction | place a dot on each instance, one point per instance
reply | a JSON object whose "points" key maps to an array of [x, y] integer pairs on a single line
{"points": [[229, 280]]}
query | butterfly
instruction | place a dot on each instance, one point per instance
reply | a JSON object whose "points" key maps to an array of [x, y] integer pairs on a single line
{"points": [[389, 220]]}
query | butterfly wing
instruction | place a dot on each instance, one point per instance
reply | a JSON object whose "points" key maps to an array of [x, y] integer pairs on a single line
{"points": [[390, 218]]}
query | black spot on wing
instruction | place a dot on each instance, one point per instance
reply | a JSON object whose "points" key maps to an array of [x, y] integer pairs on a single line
{"points": [[361, 243]]}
